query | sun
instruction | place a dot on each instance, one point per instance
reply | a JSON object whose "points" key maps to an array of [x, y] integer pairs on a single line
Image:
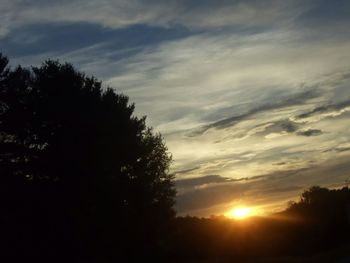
{"points": [[240, 213]]}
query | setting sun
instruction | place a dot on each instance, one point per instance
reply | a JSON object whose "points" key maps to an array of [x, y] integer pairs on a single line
{"points": [[240, 213]]}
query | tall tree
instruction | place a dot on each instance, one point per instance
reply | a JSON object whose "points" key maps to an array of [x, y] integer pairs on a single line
{"points": [[76, 166]]}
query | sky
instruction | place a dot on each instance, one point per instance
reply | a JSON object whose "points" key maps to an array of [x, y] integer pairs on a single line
{"points": [[252, 97]]}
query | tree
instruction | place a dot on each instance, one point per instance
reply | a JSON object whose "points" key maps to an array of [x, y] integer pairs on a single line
{"points": [[76, 165], [325, 210], [322, 203]]}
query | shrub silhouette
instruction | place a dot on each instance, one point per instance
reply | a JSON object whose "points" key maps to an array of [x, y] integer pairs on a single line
{"points": [[80, 174]]}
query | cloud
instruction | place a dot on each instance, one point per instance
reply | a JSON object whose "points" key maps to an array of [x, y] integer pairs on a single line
{"points": [[255, 74], [326, 17], [204, 181], [123, 13], [66, 37], [273, 189], [254, 82], [330, 110], [280, 163], [275, 128], [344, 147], [206, 197], [187, 170], [229, 191], [310, 132], [283, 103], [200, 181], [239, 15]]}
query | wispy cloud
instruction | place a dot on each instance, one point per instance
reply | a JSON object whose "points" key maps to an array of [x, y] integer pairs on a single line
{"points": [[288, 126], [310, 132], [216, 194], [329, 110], [240, 89], [123, 13]]}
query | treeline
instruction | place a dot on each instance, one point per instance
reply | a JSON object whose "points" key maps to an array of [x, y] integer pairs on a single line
{"points": [[320, 221]]}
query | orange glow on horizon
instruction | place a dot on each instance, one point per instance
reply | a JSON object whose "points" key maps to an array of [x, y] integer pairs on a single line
{"points": [[240, 213]]}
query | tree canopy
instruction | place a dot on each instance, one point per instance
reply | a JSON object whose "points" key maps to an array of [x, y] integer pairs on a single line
{"points": [[75, 161], [323, 206]]}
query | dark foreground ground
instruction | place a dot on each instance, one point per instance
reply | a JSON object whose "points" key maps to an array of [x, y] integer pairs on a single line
{"points": [[339, 255]]}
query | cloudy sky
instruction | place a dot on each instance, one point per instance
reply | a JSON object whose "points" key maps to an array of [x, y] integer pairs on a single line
{"points": [[252, 97]]}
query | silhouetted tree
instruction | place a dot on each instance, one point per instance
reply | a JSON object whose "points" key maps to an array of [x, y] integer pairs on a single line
{"points": [[322, 203], [326, 211], [79, 172]]}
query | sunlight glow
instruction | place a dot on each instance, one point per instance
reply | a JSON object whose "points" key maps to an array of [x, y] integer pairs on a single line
{"points": [[240, 213]]}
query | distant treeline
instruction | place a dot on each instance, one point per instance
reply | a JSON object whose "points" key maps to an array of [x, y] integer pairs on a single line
{"points": [[320, 221]]}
